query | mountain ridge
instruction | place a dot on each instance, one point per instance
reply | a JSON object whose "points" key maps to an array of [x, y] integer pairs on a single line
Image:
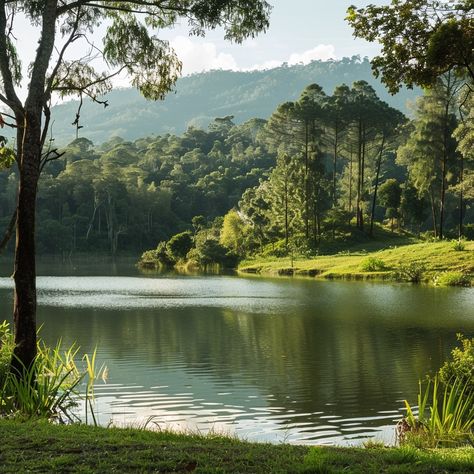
{"points": [[201, 97]]}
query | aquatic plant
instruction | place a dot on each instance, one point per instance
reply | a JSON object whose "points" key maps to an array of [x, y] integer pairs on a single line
{"points": [[445, 415], [51, 387]]}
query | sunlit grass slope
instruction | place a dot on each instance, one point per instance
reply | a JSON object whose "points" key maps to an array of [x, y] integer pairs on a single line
{"points": [[435, 257], [42, 447]]}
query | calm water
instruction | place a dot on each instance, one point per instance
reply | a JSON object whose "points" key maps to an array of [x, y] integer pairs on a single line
{"points": [[267, 359]]}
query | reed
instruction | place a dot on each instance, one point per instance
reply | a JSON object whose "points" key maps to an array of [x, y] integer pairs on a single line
{"points": [[52, 386]]}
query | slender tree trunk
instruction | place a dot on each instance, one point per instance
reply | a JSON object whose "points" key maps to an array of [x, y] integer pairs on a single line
{"points": [[334, 165], [433, 213], [306, 179], [359, 168], [286, 211], [350, 181], [374, 200], [461, 198], [24, 313]]}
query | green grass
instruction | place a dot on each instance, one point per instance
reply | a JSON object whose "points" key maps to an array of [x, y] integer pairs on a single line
{"points": [[42, 447], [435, 257]]}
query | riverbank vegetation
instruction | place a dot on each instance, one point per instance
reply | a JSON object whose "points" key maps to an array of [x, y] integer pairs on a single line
{"points": [[438, 263], [42, 447]]}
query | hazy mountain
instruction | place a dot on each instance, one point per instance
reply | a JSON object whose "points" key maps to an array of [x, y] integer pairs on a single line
{"points": [[202, 97]]}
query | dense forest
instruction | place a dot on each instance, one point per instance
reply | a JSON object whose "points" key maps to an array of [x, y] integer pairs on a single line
{"points": [[322, 168], [242, 94]]}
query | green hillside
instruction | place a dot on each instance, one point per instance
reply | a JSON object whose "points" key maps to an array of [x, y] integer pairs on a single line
{"points": [[202, 97]]}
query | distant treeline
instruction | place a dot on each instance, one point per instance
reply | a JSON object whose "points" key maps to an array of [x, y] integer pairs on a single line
{"points": [[322, 168]]}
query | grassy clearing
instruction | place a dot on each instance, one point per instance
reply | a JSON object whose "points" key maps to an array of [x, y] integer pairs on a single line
{"points": [[436, 258], [42, 447]]}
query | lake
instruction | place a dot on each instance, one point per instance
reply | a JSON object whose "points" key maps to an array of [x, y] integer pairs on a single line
{"points": [[294, 360]]}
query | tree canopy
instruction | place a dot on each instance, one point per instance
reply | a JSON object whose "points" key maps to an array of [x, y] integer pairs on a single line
{"points": [[420, 39]]}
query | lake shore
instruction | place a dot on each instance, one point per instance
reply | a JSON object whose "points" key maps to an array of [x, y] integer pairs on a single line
{"points": [[38, 446], [435, 258]]}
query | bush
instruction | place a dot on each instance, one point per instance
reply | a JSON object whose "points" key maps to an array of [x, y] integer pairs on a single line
{"points": [[461, 364], [458, 245], [452, 279], [373, 264], [179, 245], [411, 272]]}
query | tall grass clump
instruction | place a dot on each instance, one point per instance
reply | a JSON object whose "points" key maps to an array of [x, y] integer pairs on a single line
{"points": [[51, 387], [458, 245], [444, 415]]}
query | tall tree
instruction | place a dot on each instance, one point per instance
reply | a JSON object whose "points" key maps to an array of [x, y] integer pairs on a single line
{"points": [[128, 45], [430, 153]]}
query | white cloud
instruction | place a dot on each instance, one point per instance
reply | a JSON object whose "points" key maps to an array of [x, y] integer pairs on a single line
{"points": [[197, 56], [273, 63], [321, 52]]}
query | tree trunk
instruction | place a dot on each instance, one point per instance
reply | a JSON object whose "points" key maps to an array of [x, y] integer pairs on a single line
{"points": [[8, 233], [461, 199], [433, 213], [374, 200], [24, 313]]}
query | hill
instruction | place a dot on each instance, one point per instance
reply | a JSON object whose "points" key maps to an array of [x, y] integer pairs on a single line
{"points": [[200, 98]]}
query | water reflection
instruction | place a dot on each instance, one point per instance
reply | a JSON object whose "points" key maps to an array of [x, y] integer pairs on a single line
{"points": [[295, 360]]}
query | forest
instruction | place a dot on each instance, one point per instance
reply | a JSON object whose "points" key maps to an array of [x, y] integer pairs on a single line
{"points": [[323, 168]]}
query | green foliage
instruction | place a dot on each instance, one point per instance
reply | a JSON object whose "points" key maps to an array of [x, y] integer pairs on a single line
{"points": [[461, 364], [211, 252], [233, 232], [179, 245], [437, 38], [445, 414], [458, 245], [6, 350], [412, 272], [452, 279], [373, 264], [7, 157], [50, 388]]}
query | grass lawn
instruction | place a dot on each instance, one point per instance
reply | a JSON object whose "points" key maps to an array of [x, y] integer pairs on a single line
{"points": [[437, 257], [42, 447]]}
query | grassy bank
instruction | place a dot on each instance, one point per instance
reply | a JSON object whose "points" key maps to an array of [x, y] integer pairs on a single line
{"points": [[436, 258], [42, 447]]}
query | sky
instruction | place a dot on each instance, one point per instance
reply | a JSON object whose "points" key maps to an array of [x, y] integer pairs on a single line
{"points": [[300, 31]]}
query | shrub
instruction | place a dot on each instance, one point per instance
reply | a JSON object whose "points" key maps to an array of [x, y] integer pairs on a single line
{"points": [[373, 264], [461, 364], [458, 245], [179, 245], [452, 279], [412, 272]]}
